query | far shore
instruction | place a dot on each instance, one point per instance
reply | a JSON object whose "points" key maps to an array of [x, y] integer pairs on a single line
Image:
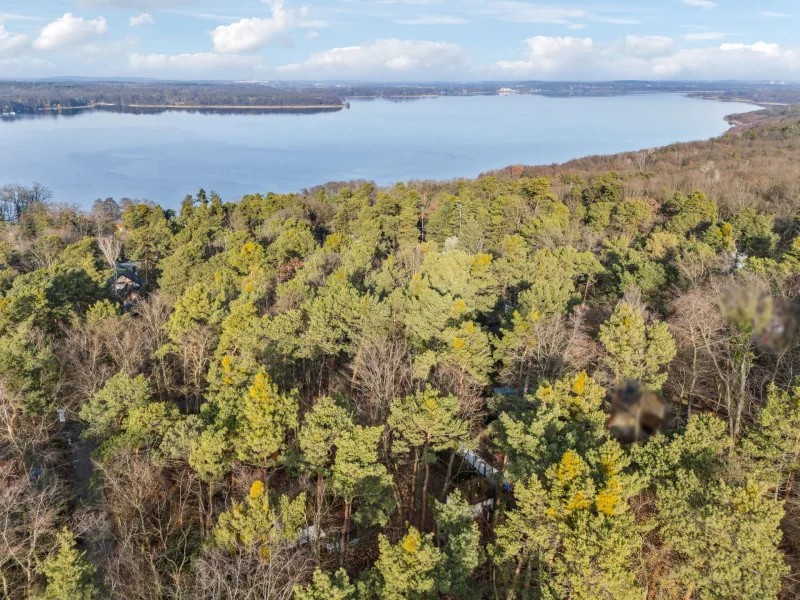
{"points": [[742, 100], [200, 107], [398, 96]]}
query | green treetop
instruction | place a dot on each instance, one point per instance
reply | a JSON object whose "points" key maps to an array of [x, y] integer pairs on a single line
{"points": [[564, 416], [571, 534], [357, 475], [327, 587], [322, 425], [688, 213], [773, 443], [266, 417], [410, 569], [255, 525], [463, 554], [107, 409], [69, 574], [634, 349], [425, 423], [721, 529]]}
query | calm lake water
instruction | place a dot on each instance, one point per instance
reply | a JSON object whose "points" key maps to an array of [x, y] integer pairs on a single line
{"points": [[164, 156]]}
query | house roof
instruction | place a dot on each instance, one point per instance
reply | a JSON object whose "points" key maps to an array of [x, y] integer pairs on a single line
{"points": [[128, 274]]}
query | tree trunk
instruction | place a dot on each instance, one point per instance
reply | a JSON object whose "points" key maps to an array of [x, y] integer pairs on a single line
{"points": [[330, 374], [446, 486], [201, 507], [398, 498], [413, 500], [398, 494], [425, 486], [689, 592], [345, 530], [737, 424], [210, 513], [510, 595], [355, 367], [320, 488], [528, 573]]}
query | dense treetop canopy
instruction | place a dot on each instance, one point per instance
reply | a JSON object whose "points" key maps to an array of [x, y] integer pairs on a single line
{"points": [[398, 393]]}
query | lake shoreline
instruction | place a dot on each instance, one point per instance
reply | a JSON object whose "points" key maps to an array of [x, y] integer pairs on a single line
{"points": [[198, 107], [106, 152], [741, 101]]}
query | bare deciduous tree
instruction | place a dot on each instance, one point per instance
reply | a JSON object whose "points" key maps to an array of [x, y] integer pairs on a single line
{"points": [[111, 247], [251, 575], [384, 372], [31, 514]]}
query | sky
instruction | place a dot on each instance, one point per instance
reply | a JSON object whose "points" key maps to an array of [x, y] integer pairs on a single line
{"points": [[401, 40]]}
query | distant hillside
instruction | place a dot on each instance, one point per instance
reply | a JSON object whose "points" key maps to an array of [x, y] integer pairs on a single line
{"points": [[22, 97]]}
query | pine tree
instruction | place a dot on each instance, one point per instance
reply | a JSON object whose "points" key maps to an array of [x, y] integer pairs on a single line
{"points": [[634, 349], [323, 424], [255, 525], [334, 317], [721, 528], [773, 443], [689, 212], [425, 423], [458, 531], [327, 587], [265, 419], [69, 574], [566, 415], [108, 408], [571, 533], [411, 569], [358, 476]]}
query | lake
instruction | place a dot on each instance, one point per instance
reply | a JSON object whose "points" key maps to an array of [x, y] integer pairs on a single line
{"points": [[162, 156]]}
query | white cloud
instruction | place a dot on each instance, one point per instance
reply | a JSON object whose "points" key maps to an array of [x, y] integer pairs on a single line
{"points": [[525, 12], [615, 20], [414, 2], [132, 4], [648, 46], [706, 35], [312, 35], [780, 15], [201, 61], [142, 19], [16, 17], [384, 58], [729, 61], [69, 30], [92, 53], [707, 4], [10, 41], [25, 66], [250, 34], [577, 26], [760, 47], [546, 55], [650, 58], [433, 20]]}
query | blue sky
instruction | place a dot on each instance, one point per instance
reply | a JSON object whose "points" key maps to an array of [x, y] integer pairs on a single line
{"points": [[401, 40]]}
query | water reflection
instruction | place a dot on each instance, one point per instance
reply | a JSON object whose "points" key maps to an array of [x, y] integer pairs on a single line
{"points": [[131, 110]]}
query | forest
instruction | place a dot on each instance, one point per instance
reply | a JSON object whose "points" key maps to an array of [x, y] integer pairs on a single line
{"points": [[26, 97], [574, 381]]}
